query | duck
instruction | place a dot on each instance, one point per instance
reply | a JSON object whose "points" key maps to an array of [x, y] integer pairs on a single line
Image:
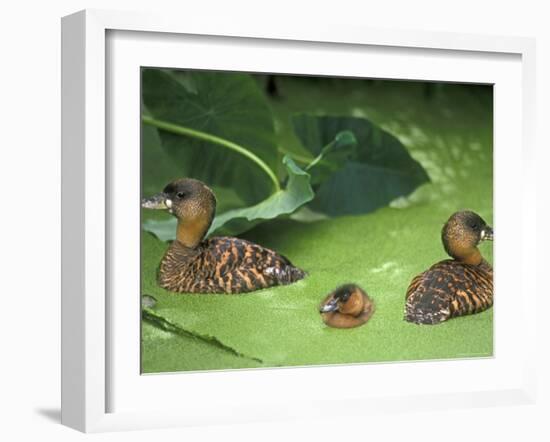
{"points": [[193, 264], [347, 306], [454, 287]]}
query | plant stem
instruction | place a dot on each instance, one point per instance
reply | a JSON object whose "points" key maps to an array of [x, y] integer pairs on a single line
{"points": [[186, 131], [296, 157], [319, 157], [308, 161]]}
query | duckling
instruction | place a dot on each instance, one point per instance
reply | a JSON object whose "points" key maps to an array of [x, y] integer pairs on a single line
{"points": [[454, 287], [193, 264], [346, 307]]}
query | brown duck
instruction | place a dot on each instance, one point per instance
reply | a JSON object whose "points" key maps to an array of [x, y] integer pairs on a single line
{"points": [[216, 265], [454, 287], [346, 307]]}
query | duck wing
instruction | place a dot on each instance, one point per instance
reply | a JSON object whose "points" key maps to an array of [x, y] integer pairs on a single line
{"points": [[238, 265], [448, 289]]}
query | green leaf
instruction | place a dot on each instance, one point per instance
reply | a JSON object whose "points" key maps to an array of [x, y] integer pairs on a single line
{"points": [[157, 168], [223, 106], [163, 229], [332, 157], [297, 192], [166, 351], [377, 170]]}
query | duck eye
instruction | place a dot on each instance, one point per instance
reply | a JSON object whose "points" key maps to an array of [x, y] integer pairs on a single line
{"points": [[180, 195]]}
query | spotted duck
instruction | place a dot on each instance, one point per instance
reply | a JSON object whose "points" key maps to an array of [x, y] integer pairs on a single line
{"points": [[346, 307], [454, 287], [193, 264]]}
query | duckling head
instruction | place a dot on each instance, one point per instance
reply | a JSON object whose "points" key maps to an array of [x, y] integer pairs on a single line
{"points": [[461, 235], [346, 307], [348, 299], [192, 203]]}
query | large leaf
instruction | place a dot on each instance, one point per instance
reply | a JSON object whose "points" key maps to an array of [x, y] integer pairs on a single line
{"points": [[378, 170], [157, 168], [297, 192], [225, 105], [332, 157], [162, 351]]}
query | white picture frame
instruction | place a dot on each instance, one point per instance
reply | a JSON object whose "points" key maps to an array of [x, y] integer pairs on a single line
{"points": [[89, 320]]}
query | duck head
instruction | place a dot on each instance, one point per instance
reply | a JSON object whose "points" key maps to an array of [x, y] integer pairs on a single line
{"points": [[192, 203], [346, 307], [461, 235]]}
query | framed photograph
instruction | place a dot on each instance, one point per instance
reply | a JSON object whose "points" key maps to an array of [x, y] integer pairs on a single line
{"points": [[256, 219]]}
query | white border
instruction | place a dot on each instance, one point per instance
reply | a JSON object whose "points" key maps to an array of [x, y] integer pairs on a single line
{"points": [[84, 280], [127, 52]]}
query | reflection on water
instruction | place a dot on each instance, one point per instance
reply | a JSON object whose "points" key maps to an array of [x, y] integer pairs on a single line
{"points": [[391, 269]]}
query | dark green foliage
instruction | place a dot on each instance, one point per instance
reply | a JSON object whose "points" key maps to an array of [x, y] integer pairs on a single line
{"points": [[355, 166], [374, 172], [229, 106]]}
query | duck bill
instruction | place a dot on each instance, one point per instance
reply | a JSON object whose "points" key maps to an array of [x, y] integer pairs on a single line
{"points": [[156, 202], [487, 234], [330, 306]]}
